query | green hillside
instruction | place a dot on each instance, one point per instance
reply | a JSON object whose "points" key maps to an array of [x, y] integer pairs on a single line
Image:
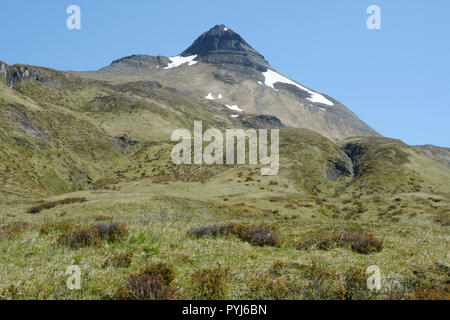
{"points": [[309, 232]]}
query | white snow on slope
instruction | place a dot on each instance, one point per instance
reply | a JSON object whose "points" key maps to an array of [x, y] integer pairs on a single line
{"points": [[179, 60], [234, 108], [272, 77], [209, 96], [220, 96], [234, 115]]}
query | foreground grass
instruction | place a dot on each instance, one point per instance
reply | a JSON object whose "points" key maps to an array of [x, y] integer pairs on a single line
{"points": [[413, 259]]}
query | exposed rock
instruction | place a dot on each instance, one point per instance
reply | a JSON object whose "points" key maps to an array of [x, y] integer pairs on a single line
{"points": [[19, 73], [222, 45], [3, 71], [124, 144], [261, 122], [339, 167], [21, 120], [141, 61], [439, 154], [355, 152]]}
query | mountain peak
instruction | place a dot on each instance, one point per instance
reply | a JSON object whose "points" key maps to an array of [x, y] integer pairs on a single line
{"points": [[221, 45]]}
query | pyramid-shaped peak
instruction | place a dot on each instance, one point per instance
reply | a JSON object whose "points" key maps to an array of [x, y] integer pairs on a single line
{"points": [[222, 45]]}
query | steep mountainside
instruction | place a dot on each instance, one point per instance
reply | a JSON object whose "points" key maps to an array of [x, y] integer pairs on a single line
{"points": [[86, 178], [62, 133], [222, 68], [440, 154]]}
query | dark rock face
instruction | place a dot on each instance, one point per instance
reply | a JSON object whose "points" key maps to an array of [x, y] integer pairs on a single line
{"points": [[262, 122], [222, 45], [355, 152], [18, 73], [3, 71], [124, 144]]}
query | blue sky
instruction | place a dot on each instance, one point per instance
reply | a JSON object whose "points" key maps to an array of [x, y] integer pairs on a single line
{"points": [[396, 79]]}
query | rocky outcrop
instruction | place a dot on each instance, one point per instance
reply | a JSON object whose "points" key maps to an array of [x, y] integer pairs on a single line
{"points": [[124, 144], [141, 61], [3, 71], [439, 154], [261, 121], [221, 45], [18, 73]]}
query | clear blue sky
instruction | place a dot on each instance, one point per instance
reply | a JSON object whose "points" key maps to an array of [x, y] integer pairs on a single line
{"points": [[396, 79]]}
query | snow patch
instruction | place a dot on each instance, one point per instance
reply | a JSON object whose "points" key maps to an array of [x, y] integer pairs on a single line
{"points": [[234, 108], [226, 29], [272, 77], [179, 60], [209, 96], [220, 96], [234, 115]]}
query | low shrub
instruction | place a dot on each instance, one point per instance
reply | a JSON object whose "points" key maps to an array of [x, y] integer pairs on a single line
{"points": [[355, 286], [256, 235], [152, 283], [165, 270], [94, 235], [14, 229], [269, 287], [52, 204], [60, 226], [120, 259], [363, 244], [320, 283], [209, 284]]}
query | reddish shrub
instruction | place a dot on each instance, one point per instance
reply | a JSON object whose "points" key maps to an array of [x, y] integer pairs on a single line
{"points": [[256, 235], [52, 204]]}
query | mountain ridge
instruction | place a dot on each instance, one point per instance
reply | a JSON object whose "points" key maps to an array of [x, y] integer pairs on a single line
{"points": [[222, 67]]}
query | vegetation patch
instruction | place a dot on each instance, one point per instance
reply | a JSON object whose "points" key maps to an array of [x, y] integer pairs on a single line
{"points": [[364, 244], [270, 287], [209, 284], [151, 283], [120, 259], [256, 235], [52, 204], [59, 226], [14, 229], [109, 232]]}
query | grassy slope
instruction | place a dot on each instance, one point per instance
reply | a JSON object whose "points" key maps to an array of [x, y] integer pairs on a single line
{"points": [[398, 195]]}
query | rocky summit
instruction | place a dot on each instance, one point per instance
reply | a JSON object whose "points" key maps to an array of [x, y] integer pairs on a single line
{"points": [[222, 45], [223, 69]]}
